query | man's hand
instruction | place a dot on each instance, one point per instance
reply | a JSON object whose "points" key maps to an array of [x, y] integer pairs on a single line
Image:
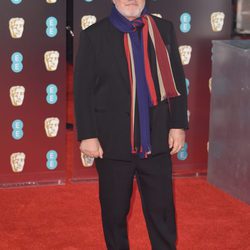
{"points": [[91, 147], [176, 140]]}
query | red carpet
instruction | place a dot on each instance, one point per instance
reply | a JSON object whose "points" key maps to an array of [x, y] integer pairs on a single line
{"points": [[68, 218]]}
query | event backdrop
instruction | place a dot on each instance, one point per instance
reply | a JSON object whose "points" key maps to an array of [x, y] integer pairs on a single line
{"points": [[196, 22], [32, 92]]}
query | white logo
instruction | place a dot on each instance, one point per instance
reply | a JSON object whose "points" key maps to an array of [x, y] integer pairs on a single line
{"points": [[51, 126], [87, 21], [51, 59], [217, 21], [16, 27], [17, 161], [185, 53], [17, 95]]}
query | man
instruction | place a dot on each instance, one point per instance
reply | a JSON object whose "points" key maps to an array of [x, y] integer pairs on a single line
{"points": [[131, 113]]}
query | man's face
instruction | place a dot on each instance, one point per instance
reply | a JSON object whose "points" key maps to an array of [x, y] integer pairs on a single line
{"points": [[131, 9]]}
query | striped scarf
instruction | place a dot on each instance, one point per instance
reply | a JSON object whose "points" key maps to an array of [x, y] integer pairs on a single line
{"points": [[143, 93]]}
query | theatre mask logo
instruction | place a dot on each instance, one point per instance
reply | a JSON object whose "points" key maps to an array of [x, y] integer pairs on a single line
{"points": [[17, 161], [16, 27], [17, 95], [51, 60], [51, 126], [217, 21], [185, 53], [87, 21]]}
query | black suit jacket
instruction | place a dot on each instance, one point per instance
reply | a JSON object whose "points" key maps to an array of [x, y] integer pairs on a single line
{"points": [[102, 91]]}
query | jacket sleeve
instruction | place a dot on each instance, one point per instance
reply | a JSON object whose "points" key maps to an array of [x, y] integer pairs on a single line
{"points": [[84, 81], [178, 105]]}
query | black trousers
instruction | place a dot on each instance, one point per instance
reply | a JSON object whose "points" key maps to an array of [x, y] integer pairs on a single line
{"points": [[154, 179]]}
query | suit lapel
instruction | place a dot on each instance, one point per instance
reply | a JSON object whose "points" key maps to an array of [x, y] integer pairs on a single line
{"points": [[116, 41]]}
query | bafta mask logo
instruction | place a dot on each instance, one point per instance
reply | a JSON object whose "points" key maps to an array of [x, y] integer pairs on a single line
{"points": [[51, 59], [17, 161], [16, 27], [17, 95], [51, 126], [87, 21], [217, 21], [157, 15], [86, 160], [185, 53], [210, 84], [51, 1]]}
